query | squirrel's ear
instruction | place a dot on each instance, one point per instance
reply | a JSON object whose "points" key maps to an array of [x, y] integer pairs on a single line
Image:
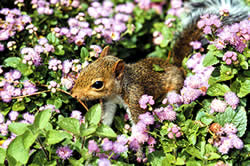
{"points": [[105, 51], [118, 69]]}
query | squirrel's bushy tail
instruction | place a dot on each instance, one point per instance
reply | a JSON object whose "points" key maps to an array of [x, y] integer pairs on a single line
{"points": [[237, 11]]}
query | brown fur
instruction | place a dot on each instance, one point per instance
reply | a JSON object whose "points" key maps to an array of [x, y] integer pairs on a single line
{"points": [[130, 81]]}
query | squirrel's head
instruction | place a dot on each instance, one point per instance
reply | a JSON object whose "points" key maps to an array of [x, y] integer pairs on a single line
{"points": [[100, 79]]}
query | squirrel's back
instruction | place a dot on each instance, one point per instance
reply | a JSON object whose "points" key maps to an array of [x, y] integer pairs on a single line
{"points": [[237, 11]]}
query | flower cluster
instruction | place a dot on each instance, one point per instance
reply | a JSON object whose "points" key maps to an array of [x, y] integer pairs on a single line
{"points": [[146, 100], [208, 22], [174, 132], [11, 86], [236, 34], [51, 107], [44, 7], [176, 8], [108, 147], [219, 106], [77, 31], [166, 113], [64, 152], [157, 38], [229, 57], [197, 84], [14, 22], [228, 139], [32, 55], [140, 133]]}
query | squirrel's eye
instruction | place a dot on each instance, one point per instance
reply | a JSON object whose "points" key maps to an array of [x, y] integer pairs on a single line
{"points": [[98, 85]]}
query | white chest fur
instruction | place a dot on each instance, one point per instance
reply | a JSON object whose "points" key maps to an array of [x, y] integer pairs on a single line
{"points": [[109, 108]]}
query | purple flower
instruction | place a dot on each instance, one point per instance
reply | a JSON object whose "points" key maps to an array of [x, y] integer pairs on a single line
{"points": [[139, 132], [64, 152], [107, 144], [28, 117], [195, 44], [144, 100], [236, 141], [92, 146], [122, 139], [16, 74], [218, 106], [6, 96], [104, 162], [223, 149], [1, 47], [76, 114], [147, 118], [166, 113], [119, 147], [229, 128], [13, 115], [151, 141], [189, 94], [231, 99], [170, 135], [134, 144], [66, 66]]}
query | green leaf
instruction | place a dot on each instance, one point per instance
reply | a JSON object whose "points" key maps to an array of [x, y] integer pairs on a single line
{"points": [[105, 131], [24, 69], [87, 131], [238, 118], [157, 68], [93, 116], [213, 156], [18, 106], [75, 162], [57, 102], [56, 136], [2, 155], [244, 88], [240, 121], [12, 62], [53, 39], [168, 160], [42, 118], [70, 124], [29, 138], [210, 59], [218, 89], [194, 152], [17, 150], [59, 50], [84, 54], [155, 158], [179, 161], [17, 128]]}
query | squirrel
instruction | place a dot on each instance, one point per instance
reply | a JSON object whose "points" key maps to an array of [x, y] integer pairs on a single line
{"points": [[111, 79]]}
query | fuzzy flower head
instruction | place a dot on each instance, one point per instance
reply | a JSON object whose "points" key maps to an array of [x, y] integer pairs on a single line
{"points": [[229, 129], [218, 106], [231, 99], [189, 94], [173, 98], [144, 100], [107, 144], [229, 57], [104, 162], [64, 152], [92, 146], [166, 113], [195, 44], [147, 118], [208, 22]]}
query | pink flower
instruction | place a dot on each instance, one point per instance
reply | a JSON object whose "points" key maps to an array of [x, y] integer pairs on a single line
{"points": [[144, 100], [195, 44], [147, 118], [231, 99], [218, 106], [92, 146], [64, 152]]}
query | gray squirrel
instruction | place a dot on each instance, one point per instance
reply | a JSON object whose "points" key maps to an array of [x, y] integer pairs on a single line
{"points": [[111, 79]]}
